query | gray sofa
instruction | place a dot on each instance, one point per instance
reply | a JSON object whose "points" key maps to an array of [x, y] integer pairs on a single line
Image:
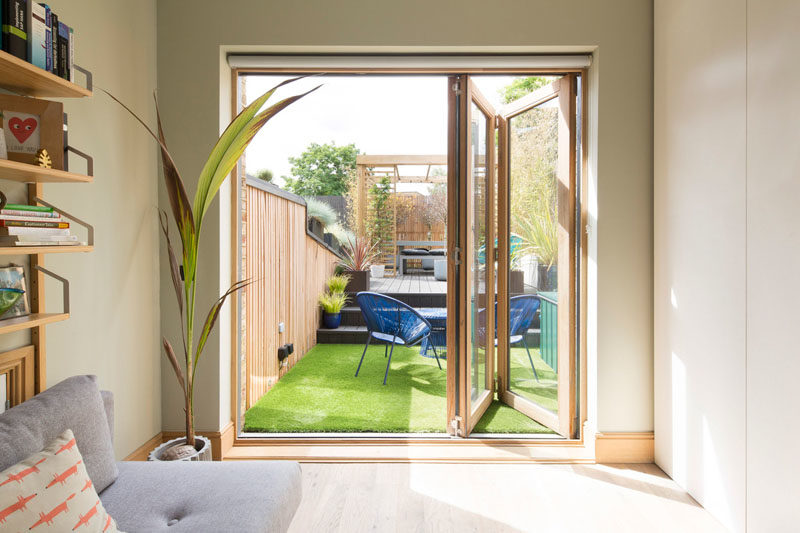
{"points": [[148, 496]]}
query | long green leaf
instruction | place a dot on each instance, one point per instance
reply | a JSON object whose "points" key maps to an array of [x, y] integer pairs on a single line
{"points": [[236, 125], [174, 362], [232, 144], [179, 200], [213, 313]]}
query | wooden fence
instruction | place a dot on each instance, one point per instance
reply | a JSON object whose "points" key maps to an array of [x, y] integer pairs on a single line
{"points": [[289, 268]]}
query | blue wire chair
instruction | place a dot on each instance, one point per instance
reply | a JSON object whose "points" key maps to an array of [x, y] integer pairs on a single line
{"points": [[521, 312], [391, 320]]}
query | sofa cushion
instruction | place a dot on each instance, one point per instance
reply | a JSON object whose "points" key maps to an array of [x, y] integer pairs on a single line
{"points": [[204, 496], [52, 489], [415, 251], [74, 404]]}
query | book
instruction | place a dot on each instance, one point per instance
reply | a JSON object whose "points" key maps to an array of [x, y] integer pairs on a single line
{"points": [[5, 239], [71, 62], [26, 207], [5, 223], [40, 243], [37, 39], [15, 27], [30, 218], [33, 231], [48, 39], [54, 42], [33, 214], [63, 50]]}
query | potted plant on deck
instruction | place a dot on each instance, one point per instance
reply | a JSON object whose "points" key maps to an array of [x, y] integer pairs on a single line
{"points": [[359, 254], [188, 216], [333, 301]]}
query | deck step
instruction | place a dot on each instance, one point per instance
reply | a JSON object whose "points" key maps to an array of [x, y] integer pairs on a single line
{"points": [[415, 299], [358, 335]]}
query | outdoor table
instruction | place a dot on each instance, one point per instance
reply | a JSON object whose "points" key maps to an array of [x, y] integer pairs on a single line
{"points": [[437, 316]]}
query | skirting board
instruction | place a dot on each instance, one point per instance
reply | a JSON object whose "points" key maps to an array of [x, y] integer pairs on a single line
{"points": [[624, 447], [221, 443], [609, 448]]}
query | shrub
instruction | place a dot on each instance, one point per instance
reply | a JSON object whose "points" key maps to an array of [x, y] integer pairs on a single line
{"points": [[338, 284], [332, 303]]}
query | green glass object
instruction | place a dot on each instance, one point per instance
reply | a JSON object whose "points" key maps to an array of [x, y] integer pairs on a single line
{"points": [[8, 298]]}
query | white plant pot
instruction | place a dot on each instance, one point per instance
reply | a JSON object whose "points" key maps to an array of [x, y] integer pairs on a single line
{"points": [[377, 271], [202, 445]]}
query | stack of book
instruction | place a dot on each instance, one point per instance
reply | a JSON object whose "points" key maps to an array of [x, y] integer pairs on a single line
{"points": [[33, 225], [32, 31]]}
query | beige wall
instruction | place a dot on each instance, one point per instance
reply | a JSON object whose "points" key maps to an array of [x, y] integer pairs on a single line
{"points": [[114, 328], [726, 256], [191, 34]]}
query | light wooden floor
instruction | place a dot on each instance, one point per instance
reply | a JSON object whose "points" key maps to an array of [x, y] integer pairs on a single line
{"points": [[495, 498], [416, 282]]}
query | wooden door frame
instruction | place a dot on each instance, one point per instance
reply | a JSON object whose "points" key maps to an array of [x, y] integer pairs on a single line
{"points": [[569, 445]]}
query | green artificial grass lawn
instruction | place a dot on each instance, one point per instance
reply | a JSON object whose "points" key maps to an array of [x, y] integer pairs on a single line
{"points": [[322, 394]]}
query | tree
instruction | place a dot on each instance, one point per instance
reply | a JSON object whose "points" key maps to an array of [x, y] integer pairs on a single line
{"points": [[522, 86], [264, 174], [322, 170]]}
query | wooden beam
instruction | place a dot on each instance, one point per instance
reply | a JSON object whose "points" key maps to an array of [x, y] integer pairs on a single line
{"points": [[391, 160]]}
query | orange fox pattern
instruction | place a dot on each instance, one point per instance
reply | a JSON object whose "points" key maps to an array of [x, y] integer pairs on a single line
{"points": [[47, 518], [25, 501], [84, 518], [63, 476], [68, 446], [19, 505], [22, 474]]}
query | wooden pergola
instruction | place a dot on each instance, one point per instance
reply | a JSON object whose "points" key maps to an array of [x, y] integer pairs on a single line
{"points": [[370, 169]]}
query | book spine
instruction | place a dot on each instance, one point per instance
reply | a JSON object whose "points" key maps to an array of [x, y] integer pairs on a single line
{"points": [[26, 207], [5, 223], [63, 50], [38, 238], [29, 218], [33, 231], [54, 38], [19, 213], [37, 39], [15, 28], [71, 62], [48, 39]]}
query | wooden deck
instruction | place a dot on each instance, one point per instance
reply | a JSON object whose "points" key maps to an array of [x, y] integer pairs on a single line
{"points": [[422, 282]]}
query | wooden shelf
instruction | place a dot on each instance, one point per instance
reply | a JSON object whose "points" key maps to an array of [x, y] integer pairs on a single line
{"points": [[31, 250], [14, 170], [10, 325], [22, 77]]}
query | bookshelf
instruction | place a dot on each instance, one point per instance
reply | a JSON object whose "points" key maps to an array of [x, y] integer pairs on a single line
{"points": [[13, 170], [25, 79]]}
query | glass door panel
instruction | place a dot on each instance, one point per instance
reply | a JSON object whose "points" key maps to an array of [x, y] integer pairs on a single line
{"points": [[536, 261], [478, 252]]}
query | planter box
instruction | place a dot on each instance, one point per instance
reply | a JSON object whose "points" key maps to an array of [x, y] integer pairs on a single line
{"points": [[359, 281], [516, 282]]}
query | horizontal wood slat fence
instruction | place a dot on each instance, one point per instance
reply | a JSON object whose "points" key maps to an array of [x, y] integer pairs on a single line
{"points": [[289, 269]]}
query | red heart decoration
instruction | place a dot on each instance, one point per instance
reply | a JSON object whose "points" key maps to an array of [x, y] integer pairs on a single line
{"points": [[22, 129]]}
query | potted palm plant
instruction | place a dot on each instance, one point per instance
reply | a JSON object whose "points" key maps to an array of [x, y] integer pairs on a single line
{"points": [[188, 217], [359, 254]]}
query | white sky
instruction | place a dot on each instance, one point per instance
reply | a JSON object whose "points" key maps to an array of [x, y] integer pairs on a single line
{"points": [[380, 114]]}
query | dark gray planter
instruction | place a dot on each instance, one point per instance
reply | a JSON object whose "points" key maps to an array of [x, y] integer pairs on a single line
{"points": [[548, 278], [359, 281], [516, 281], [202, 445]]}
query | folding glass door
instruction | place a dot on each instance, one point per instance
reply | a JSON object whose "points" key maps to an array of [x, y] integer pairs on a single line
{"points": [[512, 240]]}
